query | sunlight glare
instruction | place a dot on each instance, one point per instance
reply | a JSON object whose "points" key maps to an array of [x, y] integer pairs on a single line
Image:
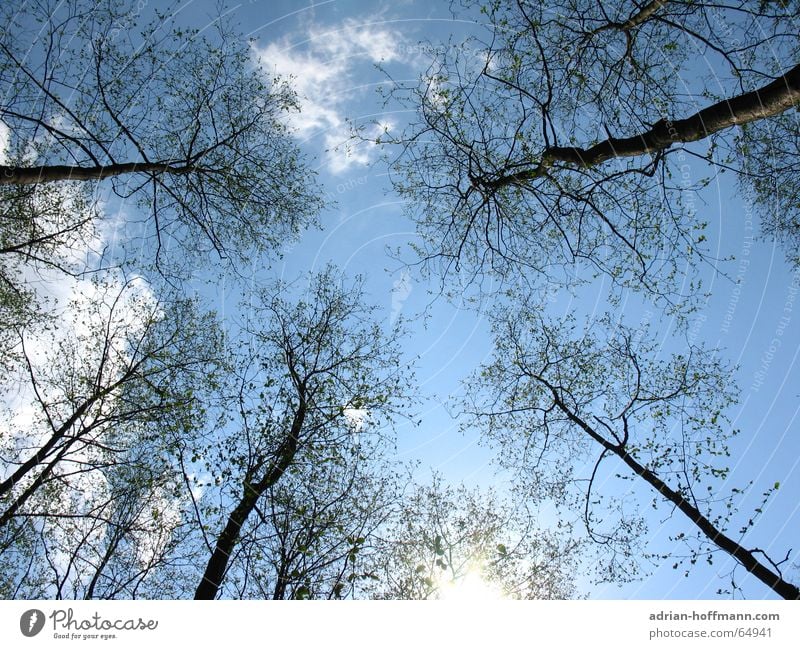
{"points": [[472, 587]]}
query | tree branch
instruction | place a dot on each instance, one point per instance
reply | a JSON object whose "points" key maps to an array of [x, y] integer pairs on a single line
{"points": [[770, 100], [11, 175], [744, 556]]}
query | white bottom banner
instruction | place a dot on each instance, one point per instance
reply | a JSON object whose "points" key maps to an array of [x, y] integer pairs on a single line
{"points": [[401, 624]]}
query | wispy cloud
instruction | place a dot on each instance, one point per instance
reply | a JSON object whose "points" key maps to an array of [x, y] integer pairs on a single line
{"points": [[323, 65]]}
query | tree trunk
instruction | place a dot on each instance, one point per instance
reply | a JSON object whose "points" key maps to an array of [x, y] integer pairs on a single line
{"points": [[767, 101], [10, 175], [744, 556], [229, 537], [716, 536], [218, 563]]}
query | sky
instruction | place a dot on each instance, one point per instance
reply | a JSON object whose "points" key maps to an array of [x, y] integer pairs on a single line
{"points": [[339, 54], [332, 51]]}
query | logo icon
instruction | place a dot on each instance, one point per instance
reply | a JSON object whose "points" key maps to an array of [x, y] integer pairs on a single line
{"points": [[31, 622]]}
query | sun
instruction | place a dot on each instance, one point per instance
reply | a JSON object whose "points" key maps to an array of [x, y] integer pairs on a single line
{"points": [[471, 587]]}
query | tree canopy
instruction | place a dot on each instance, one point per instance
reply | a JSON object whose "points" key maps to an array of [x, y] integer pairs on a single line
{"points": [[182, 124], [557, 398], [569, 146], [566, 145], [155, 444]]}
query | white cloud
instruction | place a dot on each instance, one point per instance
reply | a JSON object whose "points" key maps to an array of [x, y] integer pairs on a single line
{"points": [[344, 153], [322, 68], [4, 135]]}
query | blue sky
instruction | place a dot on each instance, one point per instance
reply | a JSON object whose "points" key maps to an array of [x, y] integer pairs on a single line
{"points": [[331, 51]]}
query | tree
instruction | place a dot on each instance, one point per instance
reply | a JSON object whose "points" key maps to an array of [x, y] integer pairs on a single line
{"points": [[104, 109], [557, 397], [93, 408], [447, 538], [297, 469], [315, 530], [45, 234], [570, 139], [109, 533], [182, 124], [571, 144]]}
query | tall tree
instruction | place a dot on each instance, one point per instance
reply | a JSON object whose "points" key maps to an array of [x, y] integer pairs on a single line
{"points": [[319, 379], [183, 125], [575, 134], [316, 528], [558, 398], [117, 382]]}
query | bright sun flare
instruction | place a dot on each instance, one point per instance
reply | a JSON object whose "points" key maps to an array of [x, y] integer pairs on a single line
{"points": [[471, 587]]}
